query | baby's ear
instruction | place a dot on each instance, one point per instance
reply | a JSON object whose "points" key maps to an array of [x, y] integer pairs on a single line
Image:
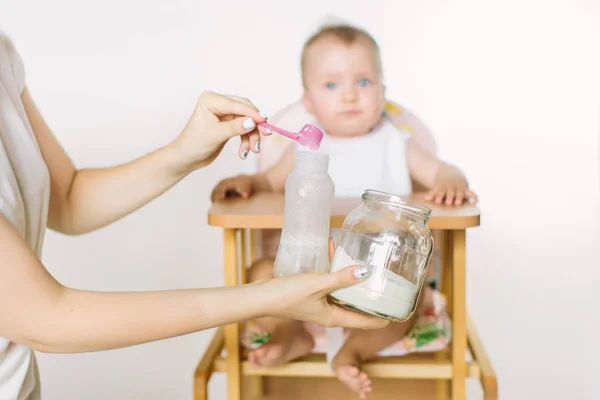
{"points": [[308, 104]]}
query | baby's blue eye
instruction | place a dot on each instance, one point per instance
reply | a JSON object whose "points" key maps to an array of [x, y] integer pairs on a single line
{"points": [[330, 85], [363, 82]]}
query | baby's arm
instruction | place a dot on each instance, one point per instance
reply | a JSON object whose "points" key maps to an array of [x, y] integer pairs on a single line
{"points": [[447, 183], [272, 180]]}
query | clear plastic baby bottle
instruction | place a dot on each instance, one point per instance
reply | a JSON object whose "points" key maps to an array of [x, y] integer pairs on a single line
{"points": [[303, 247], [388, 234]]}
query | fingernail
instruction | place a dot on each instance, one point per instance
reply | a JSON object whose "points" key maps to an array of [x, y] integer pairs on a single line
{"points": [[263, 115], [245, 154], [257, 146], [248, 123], [269, 131], [361, 272]]}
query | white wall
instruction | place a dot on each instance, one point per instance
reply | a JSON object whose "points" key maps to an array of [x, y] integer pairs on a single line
{"points": [[510, 89]]}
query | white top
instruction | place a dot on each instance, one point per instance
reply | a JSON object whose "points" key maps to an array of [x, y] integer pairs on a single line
{"points": [[374, 161], [24, 200]]}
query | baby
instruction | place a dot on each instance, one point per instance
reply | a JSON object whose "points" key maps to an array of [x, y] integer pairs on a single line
{"points": [[344, 91]]}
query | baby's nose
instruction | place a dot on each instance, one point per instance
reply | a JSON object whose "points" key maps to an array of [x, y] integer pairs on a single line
{"points": [[349, 94]]}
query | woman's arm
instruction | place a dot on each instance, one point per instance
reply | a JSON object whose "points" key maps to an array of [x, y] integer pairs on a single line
{"points": [[39, 312], [87, 199]]}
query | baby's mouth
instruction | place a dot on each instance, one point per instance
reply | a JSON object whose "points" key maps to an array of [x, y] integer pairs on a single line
{"points": [[351, 113]]}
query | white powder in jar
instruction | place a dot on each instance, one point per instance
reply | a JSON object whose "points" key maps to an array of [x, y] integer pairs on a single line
{"points": [[383, 292]]}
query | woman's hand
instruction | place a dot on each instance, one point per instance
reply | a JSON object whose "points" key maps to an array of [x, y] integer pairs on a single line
{"points": [[216, 119], [78, 198], [304, 297]]}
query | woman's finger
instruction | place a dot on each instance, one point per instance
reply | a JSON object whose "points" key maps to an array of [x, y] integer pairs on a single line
{"points": [[350, 319], [261, 130], [244, 147], [264, 131], [240, 99], [238, 126], [345, 277], [248, 102], [222, 105], [254, 138]]}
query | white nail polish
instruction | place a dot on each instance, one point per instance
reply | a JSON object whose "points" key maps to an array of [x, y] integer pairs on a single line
{"points": [[263, 115], [257, 146], [361, 272], [269, 131], [245, 154], [248, 123]]}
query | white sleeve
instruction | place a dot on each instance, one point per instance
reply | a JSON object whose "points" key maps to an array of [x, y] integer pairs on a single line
{"points": [[15, 60]]}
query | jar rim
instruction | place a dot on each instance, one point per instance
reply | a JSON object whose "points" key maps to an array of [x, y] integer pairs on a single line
{"points": [[401, 202]]}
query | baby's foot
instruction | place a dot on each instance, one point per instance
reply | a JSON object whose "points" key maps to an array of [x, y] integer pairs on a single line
{"points": [[347, 370], [284, 345]]}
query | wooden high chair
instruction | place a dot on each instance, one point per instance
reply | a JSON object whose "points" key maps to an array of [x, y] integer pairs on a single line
{"points": [[242, 219]]}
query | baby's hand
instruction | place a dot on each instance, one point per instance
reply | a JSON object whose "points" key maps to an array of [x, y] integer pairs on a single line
{"points": [[233, 187], [450, 192]]}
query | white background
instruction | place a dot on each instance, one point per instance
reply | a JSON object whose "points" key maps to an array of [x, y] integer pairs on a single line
{"points": [[510, 88]]}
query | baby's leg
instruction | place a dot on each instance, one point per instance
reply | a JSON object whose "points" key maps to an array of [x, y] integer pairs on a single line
{"points": [[289, 339], [364, 344]]}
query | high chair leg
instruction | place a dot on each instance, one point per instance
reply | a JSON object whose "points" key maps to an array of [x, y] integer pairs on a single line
{"points": [[459, 313], [446, 258], [232, 331], [256, 387], [247, 257], [442, 386]]}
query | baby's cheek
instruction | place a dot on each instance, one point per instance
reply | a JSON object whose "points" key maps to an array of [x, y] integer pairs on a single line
{"points": [[327, 111], [375, 115]]}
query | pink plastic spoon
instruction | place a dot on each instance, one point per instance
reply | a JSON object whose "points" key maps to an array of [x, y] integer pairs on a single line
{"points": [[309, 136]]}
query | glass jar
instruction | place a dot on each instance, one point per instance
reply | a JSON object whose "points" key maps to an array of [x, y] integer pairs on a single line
{"points": [[389, 235], [303, 247]]}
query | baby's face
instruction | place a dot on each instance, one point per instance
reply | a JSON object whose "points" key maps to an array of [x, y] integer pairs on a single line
{"points": [[343, 86]]}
